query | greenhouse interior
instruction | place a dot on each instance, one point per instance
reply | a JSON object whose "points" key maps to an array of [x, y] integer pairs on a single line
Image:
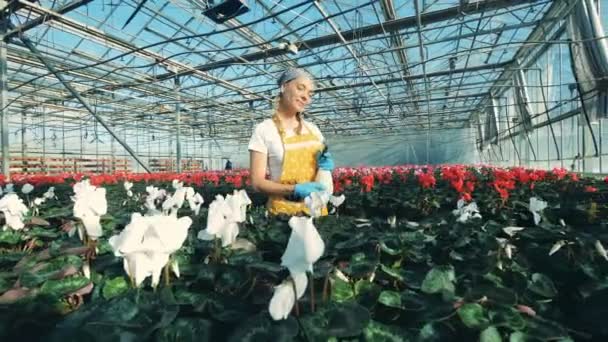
{"points": [[304, 170]]}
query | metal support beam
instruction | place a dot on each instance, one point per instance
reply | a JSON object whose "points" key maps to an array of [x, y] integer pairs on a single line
{"points": [[84, 103], [421, 76], [363, 32], [4, 99], [112, 41], [348, 47], [423, 58], [43, 18], [559, 9], [178, 129], [397, 43]]}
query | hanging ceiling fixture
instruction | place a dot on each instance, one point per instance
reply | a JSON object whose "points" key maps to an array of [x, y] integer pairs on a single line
{"points": [[226, 10]]}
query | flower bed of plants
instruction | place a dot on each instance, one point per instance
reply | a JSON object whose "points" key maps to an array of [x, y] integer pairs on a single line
{"points": [[450, 253]]}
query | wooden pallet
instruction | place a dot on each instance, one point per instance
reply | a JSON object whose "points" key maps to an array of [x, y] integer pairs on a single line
{"points": [[53, 165], [169, 165]]}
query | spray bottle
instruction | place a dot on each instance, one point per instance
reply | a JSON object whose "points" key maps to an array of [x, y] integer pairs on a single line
{"points": [[324, 176]]}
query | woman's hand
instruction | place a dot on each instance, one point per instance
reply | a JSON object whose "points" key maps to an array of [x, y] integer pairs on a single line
{"points": [[324, 161], [303, 190]]}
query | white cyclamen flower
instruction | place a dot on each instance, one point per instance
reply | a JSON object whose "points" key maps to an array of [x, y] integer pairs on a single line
{"points": [[128, 185], [600, 249], [282, 301], [465, 212], [238, 202], [89, 205], [535, 207], [154, 194], [50, 193], [220, 223], [27, 188], [316, 202], [506, 247], [10, 187], [337, 201], [173, 203], [177, 184], [304, 247], [224, 216], [511, 231], [557, 246], [195, 202], [146, 244], [14, 210], [284, 296]]}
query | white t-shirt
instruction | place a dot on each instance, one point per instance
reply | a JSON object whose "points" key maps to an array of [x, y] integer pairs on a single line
{"points": [[266, 139]]}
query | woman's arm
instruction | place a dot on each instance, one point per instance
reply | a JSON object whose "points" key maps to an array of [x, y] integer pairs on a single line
{"points": [[258, 177]]}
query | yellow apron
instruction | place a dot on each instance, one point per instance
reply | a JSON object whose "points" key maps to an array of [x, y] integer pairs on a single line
{"points": [[299, 166]]}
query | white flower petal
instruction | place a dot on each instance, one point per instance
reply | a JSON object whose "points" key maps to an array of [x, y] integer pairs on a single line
{"points": [[92, 226], [138, 266], [175, 268], [195, 201], [203, 235], [535, 207], [337, 201], [600, 249], [177, 184], [537, 218], [128, 185], [557, 246], [282, 301], [412, 224], [304, 247], [465, 212], [392, 221], [50, 193], [511, 231], [316, 202], [509, 250], [27, 188], [86, 269], [301, 282], [243, 244], [130, 238], [90, 204], [229, 233], [340, 275], [14, 210]]}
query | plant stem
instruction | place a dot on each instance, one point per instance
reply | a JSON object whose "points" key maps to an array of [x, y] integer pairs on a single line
{"points": [[295, 295], [217, 251], [312, 293], [326, 288], [250, 290], [85, 238], [167, 274]]}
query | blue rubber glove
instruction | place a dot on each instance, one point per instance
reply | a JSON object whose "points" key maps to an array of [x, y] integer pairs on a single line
{"points": [[302, 190], [324, 161]]}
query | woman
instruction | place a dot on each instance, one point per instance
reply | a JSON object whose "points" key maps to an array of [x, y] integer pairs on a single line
{"points": [[290, 147]]}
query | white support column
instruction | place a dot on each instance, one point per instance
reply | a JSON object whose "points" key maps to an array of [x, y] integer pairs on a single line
{"points": [[178, 131], [4, 101]]}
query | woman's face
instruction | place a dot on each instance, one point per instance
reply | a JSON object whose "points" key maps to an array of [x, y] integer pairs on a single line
{"points": [[297, 94]]}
